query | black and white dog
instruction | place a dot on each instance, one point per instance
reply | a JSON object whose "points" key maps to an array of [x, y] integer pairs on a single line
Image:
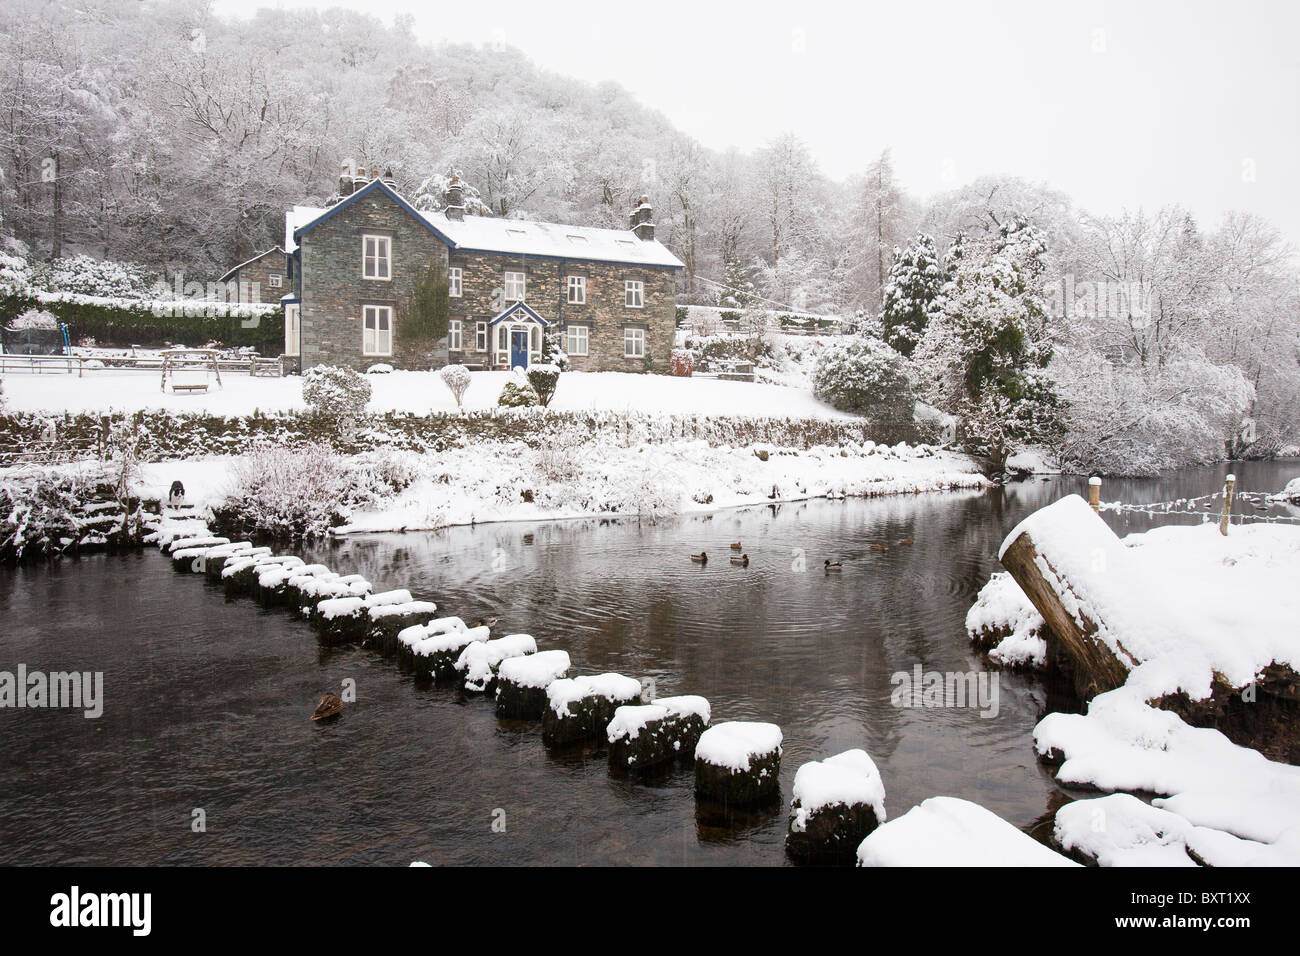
{"points": [[176, 497]]}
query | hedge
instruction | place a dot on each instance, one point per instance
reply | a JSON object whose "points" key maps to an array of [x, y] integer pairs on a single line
{"points": [[138, 325]]}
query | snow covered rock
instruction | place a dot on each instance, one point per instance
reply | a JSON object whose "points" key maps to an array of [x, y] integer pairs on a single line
{"points": [[1289, 495], [193, 560], [389, 620], [1004, 622], [1121, 830], [433, 649], [480, 659], [215, 560], [240, 573], [947, 831], [837, 802], [580, 708], [643, 735], [738, 762], [522, 683]]}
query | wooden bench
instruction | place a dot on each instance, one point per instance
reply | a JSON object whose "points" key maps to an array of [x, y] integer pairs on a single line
{"points": [[190, 388]]}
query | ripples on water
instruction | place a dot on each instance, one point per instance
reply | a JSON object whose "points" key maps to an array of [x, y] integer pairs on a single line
{"points": [[206, 701]]}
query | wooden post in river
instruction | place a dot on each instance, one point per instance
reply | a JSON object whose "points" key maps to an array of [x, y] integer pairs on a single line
{"points": [[1229, 491], [1094, 493]]}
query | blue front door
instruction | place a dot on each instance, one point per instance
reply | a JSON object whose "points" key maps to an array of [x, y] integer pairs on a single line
{"points": [[519, 348]]}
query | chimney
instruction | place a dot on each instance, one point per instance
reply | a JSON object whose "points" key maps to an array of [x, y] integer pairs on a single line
{"points": [[640, 220], [346, 182], [455, 199], [389, 181]]}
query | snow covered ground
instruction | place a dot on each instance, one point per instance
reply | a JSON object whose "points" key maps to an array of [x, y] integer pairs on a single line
{"points": [[505, 481], [410, 391]]}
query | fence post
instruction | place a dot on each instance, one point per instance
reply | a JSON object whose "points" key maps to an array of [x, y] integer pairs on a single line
{"points": [[1094, 493], [1229, 491]]}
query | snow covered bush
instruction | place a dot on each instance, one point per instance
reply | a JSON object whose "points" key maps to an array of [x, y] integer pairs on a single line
{"points": [[456, 378], [35, 319], [681, 363], [335, 391], [553, 350], [100, 277], [517, 395], [911, 294], [544, 378], [380, 368], [15, 274], [286, 492], [865, 376]]}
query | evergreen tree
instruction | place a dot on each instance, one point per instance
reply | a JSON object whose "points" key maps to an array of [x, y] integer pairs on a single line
{"points": [[911, 294]]}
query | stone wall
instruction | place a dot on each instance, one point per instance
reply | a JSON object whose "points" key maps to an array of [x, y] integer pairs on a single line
{"points": [[335, 290], [605, 312], [260, 271]]}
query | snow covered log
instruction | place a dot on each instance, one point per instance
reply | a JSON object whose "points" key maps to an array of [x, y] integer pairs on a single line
{"points": [[580, 708], [522, 683], [479, 660], [643, 735], [389, 620], [837, 803], [1067, 560], [738, 763], [946, 831]]}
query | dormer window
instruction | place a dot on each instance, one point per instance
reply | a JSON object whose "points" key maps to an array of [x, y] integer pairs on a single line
{"points": [[376, 257]]}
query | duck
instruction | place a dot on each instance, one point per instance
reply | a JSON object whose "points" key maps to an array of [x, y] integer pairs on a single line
{"points": [[486, 622], [833, 565], [701, 558], [735, 546], [880, 547], [740, 559], [904, 541], [329, 706]]}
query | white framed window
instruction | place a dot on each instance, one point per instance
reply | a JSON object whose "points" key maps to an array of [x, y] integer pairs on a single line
{"points": [[503, 338], [535, 339], [576, 340], [376, 330], [514, 287], [454, 279], [376, 257], [455, 337], [480, 336], [274, 280], [634, 293], [577, 290], [292, 326], [633, 343]]}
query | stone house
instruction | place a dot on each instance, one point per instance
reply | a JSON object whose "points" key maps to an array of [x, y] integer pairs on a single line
{"points": [[354, 265], [259, 279]]}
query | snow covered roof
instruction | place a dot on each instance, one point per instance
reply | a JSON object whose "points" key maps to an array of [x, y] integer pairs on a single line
{"points": [[552, 240], [260, 255], [507, 236]]}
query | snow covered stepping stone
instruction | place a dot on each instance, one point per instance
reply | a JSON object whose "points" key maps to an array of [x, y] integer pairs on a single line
{"points": [[479, 660], [313, 589], [216, 559], [346, 620], [738, 763], [946, 831], [644, 735], [837, 803], [522, 683], [270, 582], [193, 560], [388, 620], [578, 708], [241, 572], [431, 649]]}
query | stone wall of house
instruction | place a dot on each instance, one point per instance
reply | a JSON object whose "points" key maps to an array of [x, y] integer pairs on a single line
{"points": [[605, 312], [260, 272], [335, 288]]}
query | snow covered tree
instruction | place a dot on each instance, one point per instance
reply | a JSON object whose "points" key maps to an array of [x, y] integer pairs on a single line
{"points": [[456, 378], [911, 293], [984, 353]]}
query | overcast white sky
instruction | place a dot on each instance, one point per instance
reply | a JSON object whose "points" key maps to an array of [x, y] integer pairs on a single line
{"points": [[1116, 104]]}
